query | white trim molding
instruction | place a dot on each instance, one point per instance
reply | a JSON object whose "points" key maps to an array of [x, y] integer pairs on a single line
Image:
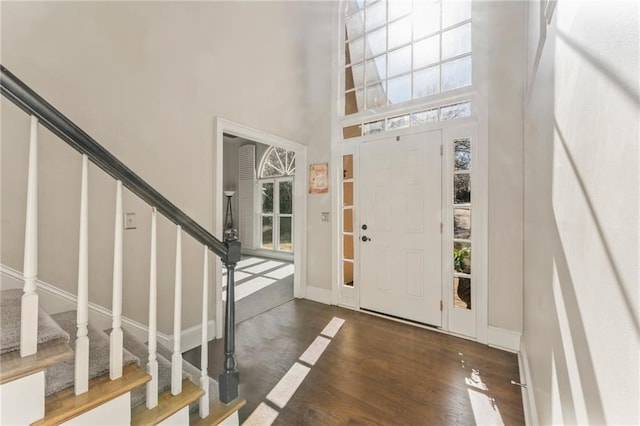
{"points": [[221, 126], [504, 339], [54, 300], [320, 295], [528, 400]]}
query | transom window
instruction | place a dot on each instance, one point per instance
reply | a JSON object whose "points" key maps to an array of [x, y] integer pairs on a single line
{"points": [[278, 162], [401, 50]]}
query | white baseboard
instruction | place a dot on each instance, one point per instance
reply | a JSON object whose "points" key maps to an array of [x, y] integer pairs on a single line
{"points": [[528, 400], [316, 294], [501, 338], [55, 300]]}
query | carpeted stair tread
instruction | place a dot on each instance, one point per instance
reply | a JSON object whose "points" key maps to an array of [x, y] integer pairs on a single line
{"points": [[167, 405], [163, 356], [64, 405], [218, 412], [13, 366], [141, 351], [10, 309], [61, 376]]}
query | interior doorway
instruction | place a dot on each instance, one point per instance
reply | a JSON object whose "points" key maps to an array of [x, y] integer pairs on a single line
{"points": [[268, 271]]}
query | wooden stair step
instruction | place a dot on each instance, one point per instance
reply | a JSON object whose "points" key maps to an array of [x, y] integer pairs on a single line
{"points": [[168, 405], [218, 412], [13, 366], [65, 405]]}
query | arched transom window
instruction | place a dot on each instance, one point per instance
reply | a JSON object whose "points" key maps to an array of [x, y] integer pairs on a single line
{"points": [[278, 162]]}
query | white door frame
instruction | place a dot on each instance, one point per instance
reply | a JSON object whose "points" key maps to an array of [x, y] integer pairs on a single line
{"points": [[480, 213], [221, 126]]}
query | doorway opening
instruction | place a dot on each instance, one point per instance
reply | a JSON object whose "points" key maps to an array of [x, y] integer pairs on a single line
{"points": [[268, 202]]}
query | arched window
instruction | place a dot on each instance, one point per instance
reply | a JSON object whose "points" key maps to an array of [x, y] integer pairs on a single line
{"points": [[276, 199], [278, 162], [400, 53]]}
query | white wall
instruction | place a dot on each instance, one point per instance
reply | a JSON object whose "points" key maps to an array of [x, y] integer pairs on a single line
{"points": [[581, 213], [146, 80]]}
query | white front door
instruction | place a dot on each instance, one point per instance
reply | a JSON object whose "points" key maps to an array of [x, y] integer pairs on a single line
{"points": [[400, 227]]}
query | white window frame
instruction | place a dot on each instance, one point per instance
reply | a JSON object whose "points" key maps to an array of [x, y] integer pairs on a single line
{"points": [[275, 214], [432, 101]]}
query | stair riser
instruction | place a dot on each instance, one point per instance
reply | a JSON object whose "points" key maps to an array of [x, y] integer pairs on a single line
{"points": [[22, 400], [115, 412]]}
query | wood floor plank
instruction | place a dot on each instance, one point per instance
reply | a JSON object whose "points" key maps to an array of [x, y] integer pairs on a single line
{"points": [[374, 371]]}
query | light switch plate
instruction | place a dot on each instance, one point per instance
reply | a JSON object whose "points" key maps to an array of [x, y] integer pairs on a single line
{"points": [[129, 221], [324, 216]]}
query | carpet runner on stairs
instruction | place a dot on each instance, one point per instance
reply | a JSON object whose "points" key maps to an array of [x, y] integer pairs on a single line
{"points": [[10, 308]]}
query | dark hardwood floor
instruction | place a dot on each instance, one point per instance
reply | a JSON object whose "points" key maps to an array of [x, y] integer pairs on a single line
{"points": [[374, 371]]}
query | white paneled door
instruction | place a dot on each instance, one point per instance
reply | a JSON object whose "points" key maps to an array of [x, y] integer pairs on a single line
{"points": [[400, 226]]}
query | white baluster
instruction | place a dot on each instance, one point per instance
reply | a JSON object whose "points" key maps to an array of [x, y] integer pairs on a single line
{"points": [[29, 303], [152, 364], [82, 340], [115, 348], [204, 378], [176, 358]]}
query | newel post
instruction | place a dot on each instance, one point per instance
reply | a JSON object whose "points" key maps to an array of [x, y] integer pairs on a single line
{"points": [[230, 379]]}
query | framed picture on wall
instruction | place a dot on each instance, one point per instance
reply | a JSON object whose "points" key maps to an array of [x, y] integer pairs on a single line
{"points": [[319, 178]]}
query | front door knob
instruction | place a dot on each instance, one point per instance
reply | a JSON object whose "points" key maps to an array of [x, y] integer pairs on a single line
{"points": [[365, 238]]}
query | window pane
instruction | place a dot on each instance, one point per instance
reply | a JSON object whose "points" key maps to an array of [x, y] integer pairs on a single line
{"points": [[376, 69], [355, 25], [398, 122], [358, 74], [461, 188], [462, 223], [460, 110], [354, 5], [348, 273], [360, 99], [399, 61], [423, 117], [356, 50], [426, 82], [286, 242], [376, 42], [376, 15], [267, 232], [426, 52], [456, 73], [462, 257], [399, 89], [462, 292], [347, 194], [347, 166], [347, 247], [456, 41], [373, 127], [455, 11], [376, 96], [426, 18], [351, 131], [400, 32], [347, 220], [398, 8], [286, 197], [267, 197], [462, 148]]}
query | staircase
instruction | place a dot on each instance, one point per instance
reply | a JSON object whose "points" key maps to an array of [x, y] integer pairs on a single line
{"points": [[110, 376]]}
